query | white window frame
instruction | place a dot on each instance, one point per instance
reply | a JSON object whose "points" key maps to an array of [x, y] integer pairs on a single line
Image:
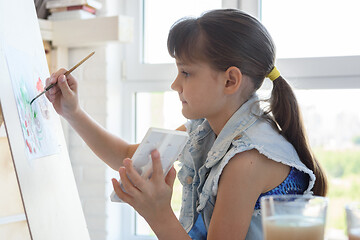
{"points": [[130, 88], [313, 73], [302, 73], [136, 69]]}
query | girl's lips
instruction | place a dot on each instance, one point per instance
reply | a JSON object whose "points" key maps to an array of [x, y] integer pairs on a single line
{"points": [[182, 101]]}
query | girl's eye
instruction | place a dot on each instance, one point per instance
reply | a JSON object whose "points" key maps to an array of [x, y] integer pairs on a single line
{"points": [[186, 74]]}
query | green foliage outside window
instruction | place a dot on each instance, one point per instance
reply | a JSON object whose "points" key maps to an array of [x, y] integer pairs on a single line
{"points": [[343, 172]]}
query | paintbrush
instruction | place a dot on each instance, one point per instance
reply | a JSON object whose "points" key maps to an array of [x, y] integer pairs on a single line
{"points": [[67, 73]]}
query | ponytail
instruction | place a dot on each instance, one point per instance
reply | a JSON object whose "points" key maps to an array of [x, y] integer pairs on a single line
{"points": [[287, 115]]}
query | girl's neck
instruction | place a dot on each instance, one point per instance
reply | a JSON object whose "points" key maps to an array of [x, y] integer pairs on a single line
{"points": [[233, 103], [218, 122]]}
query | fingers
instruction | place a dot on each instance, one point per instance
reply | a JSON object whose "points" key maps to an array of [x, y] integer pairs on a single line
{"points": [[54, 76], [72, 82], [64, 87], [52, 97], [128, 187], [119, 192], [128, 191], [52, 93], [157, 167], [136, 180], [170, 177], [47, 94], [47, 82], [67, 84]]}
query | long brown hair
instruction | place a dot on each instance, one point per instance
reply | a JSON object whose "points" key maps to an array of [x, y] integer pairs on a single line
{"points": [[230, 37]]}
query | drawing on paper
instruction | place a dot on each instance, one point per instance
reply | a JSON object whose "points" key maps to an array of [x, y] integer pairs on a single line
{"points": [[28, 75]]}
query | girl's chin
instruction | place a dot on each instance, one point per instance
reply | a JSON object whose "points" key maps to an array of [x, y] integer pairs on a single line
{"points": [[189, 115], [185, 113]]}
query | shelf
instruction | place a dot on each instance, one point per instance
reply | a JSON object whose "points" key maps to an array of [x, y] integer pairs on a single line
{"points": [[11, 219], [87, 32], [45, 29]]}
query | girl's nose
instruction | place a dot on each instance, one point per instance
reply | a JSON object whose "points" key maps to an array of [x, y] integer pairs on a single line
{"points": [[175, 85]]}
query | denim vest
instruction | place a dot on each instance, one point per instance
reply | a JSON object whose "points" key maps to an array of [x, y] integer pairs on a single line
{"points": [[205, 156]]}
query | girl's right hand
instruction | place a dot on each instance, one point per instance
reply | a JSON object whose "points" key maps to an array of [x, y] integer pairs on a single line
{"points": [[64, 95]]}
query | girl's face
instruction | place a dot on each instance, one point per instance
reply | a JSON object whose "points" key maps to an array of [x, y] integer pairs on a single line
{"points": [[200, 90]]}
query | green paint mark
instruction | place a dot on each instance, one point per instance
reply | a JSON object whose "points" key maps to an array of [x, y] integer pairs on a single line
{"points": [[24, 99], [24, 95]]}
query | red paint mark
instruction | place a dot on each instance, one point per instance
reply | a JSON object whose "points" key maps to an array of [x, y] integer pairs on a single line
{"points": [[28, 132], [39, 85], [34, 150], [28, 145], [25, 123]]}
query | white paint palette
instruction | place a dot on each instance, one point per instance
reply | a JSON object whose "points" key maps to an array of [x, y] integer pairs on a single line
{"points": [[169, 143]]}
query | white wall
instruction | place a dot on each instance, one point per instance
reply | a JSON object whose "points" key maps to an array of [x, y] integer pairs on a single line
{"points": [[99, 88], [99, 91]]}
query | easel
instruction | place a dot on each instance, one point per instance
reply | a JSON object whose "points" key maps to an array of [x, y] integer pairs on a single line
{"points": [[13, 222], [40, 196]]}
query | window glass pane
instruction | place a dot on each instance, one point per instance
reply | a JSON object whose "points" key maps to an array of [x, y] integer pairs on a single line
{"points": [[333, 125], [307, 28], [163, 110], [159, 16], [332, 121], [157, 109]]}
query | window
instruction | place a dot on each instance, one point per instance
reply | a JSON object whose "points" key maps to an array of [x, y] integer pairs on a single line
{"points": [[326, 79], [147, 57], [157, 109], [156, 28], [306, 28], [333, 127]]}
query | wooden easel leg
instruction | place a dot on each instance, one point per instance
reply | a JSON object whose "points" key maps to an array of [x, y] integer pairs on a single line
{"points": [[13, 223]]}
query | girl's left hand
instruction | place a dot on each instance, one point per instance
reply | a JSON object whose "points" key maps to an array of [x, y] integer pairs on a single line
{"points": [[149, 197]]}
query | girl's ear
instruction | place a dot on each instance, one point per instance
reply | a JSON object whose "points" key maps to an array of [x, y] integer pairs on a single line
{"points": [[233, 80]]}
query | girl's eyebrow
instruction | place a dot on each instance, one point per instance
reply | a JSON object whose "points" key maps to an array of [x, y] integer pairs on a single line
{"points": [[181, 64]]}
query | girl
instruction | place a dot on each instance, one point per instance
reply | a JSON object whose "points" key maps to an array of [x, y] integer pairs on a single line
{"points": [[237, 151]]}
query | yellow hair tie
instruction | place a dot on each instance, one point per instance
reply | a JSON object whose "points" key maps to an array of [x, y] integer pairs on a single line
{"points": [[274, 74]]}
